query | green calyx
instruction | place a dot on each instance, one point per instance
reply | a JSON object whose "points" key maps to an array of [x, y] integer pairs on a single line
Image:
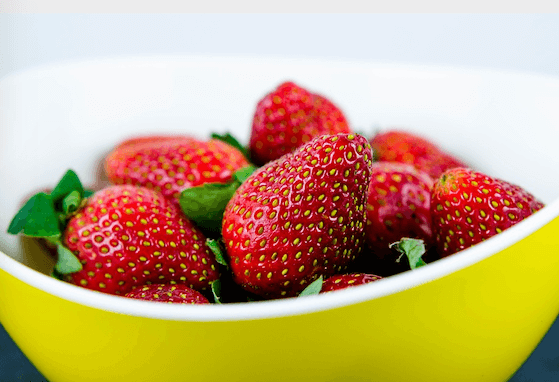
{"points": [[218, 251], [66, 263], [216, 291], [37, 218], [413, 249], [205, 204], [313, 288], [45, 215]]}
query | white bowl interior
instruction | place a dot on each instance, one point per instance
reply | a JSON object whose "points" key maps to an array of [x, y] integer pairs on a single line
{"points": [[69, 116]]}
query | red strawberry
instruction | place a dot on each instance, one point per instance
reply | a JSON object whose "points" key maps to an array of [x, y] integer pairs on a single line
{"points": [[405, 147], [289, 117], [170, 164], [469, 207], [176, 294], [398, 206], [299, 217], [127, 236], [330, 118], [338, 282]]}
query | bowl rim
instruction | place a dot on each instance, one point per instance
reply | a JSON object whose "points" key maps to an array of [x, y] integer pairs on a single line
{"points": [[290, 306]]}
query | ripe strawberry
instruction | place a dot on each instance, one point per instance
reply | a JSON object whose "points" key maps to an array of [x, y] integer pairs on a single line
{"points": [[176, 294], [398, 205], [288, 117], [170, 164], [405, 147], [126, 236], [468, 207], [299, 217], [330, 118], [343, 281]]}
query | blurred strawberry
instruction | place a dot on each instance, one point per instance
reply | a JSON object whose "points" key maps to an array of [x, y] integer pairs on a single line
{"points": [[398, 205], [174, 294], [171, 164], [405, 147], [343, 281], [288, 117], [468, 207], [330, 118]]}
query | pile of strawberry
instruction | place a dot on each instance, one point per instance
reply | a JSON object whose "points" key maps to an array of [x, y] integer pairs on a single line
{"points": [[196, 221]]}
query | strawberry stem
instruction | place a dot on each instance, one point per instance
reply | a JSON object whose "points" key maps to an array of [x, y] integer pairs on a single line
{"points": [[71, 202], [413, 249]]}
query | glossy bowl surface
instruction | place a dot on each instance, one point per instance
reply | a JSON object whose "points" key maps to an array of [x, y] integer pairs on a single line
{"points": [[474, 316]]}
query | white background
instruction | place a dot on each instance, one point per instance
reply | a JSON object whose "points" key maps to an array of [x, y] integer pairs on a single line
{"points": [[519, 42]]}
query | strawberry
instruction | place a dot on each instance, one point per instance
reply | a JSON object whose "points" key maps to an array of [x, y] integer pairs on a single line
{"points": [[288, 117], [176, 294], [330, 118], [299, 217], [398, 205], [343, 281], [402, 146], [169, 164], [468, 207], [125, 236]]}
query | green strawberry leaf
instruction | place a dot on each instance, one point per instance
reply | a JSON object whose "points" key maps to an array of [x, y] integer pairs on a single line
{"points": [[414, 249], [44, 215], [216, 291], [205, 204], [242, 174], [232, 141], [313, 288], [37, 218], [67, 262], [217, 251], [56, 275], [69, 182], [88, 193]]}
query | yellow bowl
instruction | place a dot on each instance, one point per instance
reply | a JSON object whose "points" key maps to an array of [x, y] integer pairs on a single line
{"points": [[474, 316]]}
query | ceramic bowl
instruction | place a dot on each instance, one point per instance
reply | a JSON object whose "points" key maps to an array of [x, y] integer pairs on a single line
{"points": [[474, 316]]}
